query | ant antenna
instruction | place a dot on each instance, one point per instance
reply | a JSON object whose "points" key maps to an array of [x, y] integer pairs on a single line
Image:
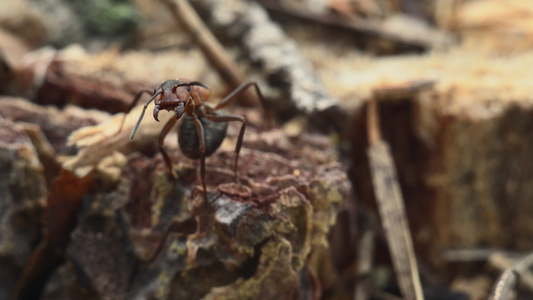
{"points": [[142, 115], [198, 83]]}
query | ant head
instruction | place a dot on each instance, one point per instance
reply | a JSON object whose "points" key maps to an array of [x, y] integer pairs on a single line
{"points": [[174, 96], [175, 91]]}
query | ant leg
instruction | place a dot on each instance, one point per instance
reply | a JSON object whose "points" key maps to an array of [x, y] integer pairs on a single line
{"points": [[240, 90], [135, 100], [201, 140], [162, 136], [228, 118]]}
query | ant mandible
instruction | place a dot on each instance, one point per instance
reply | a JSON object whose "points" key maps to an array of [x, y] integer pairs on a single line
{"points": [[187, 98]]}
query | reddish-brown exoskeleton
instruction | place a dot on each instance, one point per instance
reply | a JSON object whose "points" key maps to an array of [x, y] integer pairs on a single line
{"points": [[187, 98]]}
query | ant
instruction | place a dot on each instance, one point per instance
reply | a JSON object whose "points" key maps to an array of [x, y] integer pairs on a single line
{"points": [[203, 127]]}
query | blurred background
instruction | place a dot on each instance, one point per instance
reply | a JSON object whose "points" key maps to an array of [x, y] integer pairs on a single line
{"points": [[454, 84]]}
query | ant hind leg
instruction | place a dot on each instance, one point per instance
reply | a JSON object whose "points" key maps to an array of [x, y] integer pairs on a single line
{"points": [[229, 118]]}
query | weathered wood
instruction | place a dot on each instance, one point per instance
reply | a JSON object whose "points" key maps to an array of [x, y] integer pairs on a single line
{"points": [[56, 124], [400, 29], [101, 144], [22, 197], [517, 272], [365, 263], [253, 238], [461, 147], [391, 208], [265, 44], [492, 25], [106, 81]]}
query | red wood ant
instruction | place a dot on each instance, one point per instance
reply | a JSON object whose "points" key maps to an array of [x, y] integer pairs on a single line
{"points": [[203, 127]]}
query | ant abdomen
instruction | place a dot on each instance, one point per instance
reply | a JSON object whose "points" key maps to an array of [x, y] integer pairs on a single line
{"points": [[214, 134]]}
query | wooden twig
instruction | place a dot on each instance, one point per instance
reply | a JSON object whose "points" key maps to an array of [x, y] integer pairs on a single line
{"points": [[504, 287], [515, 271], [391, 208], [45, 151], [403, 90], [374, 133], [265, 43], [187, 17], [365, 259], [473, 255]]}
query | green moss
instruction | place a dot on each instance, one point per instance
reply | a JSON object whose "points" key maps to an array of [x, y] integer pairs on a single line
{"points": [[106, 17]]}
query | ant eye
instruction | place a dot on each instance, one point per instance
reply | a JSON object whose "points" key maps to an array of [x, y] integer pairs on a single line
{"points": [[188, 88]]}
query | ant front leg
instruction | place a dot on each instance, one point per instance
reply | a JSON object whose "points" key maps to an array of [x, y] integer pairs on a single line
{"points": [[164, 132], [229, 118]]}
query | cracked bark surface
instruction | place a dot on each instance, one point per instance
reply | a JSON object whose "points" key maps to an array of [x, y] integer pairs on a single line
{"points": [[21, 203], [253, 238]]}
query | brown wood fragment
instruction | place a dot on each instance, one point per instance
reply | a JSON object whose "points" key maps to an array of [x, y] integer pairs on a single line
{"points": [[99, 144], [56, 124], [106, 81], [22, 198], [402, 90], [12, 48], [391, 209], [45, 151], [70, 77], [59, 218]]}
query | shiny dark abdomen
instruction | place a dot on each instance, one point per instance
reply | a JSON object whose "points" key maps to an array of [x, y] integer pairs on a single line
{"points": [[214, 133]]}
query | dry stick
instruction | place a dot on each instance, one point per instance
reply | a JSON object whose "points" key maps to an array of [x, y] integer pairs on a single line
{"points": [[391, 208], [504, 287], [45, 151], [380, 295], [187, 17], [365, 259], [519, 270], [472, 255], [424, 37], [266, 45], [501, 260]]}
